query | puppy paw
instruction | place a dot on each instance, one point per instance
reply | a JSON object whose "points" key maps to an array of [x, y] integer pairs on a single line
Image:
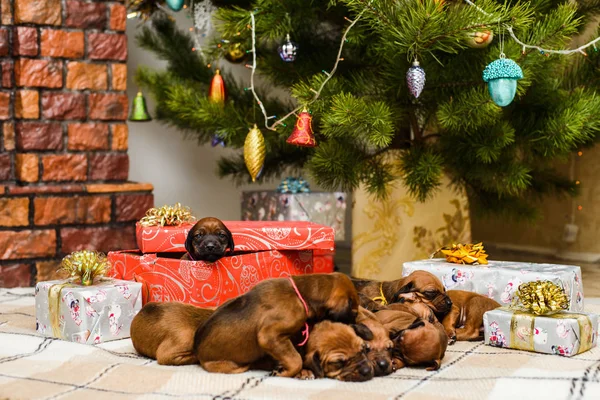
{"points": [[305, 374], [452, 340], [397, 364]]}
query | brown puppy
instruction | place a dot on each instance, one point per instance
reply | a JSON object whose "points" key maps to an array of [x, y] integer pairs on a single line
{"points": [[337, 351], [465, 319], [165, 332], [424, 284], [416, 341], [260, 322], [379, 350], [208, 240]]}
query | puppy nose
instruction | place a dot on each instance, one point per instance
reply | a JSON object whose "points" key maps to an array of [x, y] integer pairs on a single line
{"points": [[210, 246], [365, 370], [448, 302], [383, 364]]}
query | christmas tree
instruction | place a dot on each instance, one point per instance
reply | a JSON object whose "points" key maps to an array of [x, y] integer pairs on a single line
{"points": [[370, 128]]}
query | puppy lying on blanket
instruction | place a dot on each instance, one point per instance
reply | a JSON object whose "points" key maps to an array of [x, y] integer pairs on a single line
{"points": [[267, 316], [379, 344]]}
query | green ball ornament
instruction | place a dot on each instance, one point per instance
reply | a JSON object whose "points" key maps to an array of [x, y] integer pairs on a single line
{"points": [[502, 76], [175, 5]]}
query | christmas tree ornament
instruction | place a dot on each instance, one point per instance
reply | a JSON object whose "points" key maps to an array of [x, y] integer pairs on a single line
{"points": [[292, 185], [479, 39], [139, 112], [501, 76], [302, 135], [287, 50], [175, 5], [254, 152], [216, 90], [217, 140], [415, 78], [235, 53]]}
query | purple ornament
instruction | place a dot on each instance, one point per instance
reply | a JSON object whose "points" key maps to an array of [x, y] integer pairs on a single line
{"points": [[415, 78], [217, 140], [287, 51]]}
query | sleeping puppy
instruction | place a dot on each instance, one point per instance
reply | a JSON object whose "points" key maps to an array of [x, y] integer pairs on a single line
{"points": [[165, 331], [208, 240], [337, 351], [416, 341], [260, 322], [379, 349], [422, 283], [465, 319]]}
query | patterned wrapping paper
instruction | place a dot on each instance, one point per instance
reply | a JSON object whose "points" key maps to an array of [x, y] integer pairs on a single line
{"points": [[247, 236], [86, 314], [205, 284], [324, 208], [565, 334], [500, 280]]}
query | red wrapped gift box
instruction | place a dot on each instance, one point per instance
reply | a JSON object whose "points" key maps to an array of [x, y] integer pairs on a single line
{"points": [[205, 284], [247, 235]]}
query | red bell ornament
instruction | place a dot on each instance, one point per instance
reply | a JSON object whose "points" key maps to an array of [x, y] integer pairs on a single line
{"points": [[216, 91], [302, 134]]}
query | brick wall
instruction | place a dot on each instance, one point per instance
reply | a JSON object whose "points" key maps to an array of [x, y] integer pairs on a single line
{"points": [[63, 137]]}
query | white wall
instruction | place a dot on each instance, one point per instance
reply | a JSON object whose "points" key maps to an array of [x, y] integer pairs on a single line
{"points": [[180, 169]]}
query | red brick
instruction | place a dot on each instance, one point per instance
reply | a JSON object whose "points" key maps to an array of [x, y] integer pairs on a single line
{"points": [[108, 106], [118, 17], [86, 15], [120, 134], [15, 275], [38, 73], [27, 167], [118, 187], [87, 76], [44, 12], [71, 210], [25, 41], [90, 136], [106, 46], [5, 111], [45, 189], [4, 42], [8, 129], [109, 167], [100, 239], [59, 43], [39, 136], [133, 206], [14, 211], [27, 104], [27, 244], [6, 11], [48, 271], [119, 76], [4, 167], [7, 73], [69, 167], [63, 106]]}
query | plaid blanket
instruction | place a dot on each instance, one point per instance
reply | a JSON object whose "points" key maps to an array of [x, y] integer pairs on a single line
{"points": [[35, 367]]}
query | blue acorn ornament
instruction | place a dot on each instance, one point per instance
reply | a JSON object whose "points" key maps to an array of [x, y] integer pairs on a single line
{"points": [[502, 76], [175, 5]]}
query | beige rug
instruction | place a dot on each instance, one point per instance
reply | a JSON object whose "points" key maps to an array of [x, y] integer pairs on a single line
{"points": [[35, 367]]}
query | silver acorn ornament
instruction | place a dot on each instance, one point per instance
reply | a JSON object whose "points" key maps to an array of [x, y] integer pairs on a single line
{"points": [[415, 78]]}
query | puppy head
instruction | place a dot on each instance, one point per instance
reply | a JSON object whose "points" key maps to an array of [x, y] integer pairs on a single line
{"points": [[421, 343], [342, 304], [429, 290], [209, 240], [335, 351], [379, 345]]}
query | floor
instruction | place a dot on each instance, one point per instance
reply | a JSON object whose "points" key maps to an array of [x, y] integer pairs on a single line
{"points": [[590, 272]]}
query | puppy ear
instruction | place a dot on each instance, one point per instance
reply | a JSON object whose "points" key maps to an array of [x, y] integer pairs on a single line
{"points": [[394, 334], [435, 365], [230, 244], [188, 242], [363, 331], [404, 289], [314, 364]]}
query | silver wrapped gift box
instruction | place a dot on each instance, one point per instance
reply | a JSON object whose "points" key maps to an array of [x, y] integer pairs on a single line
{"points": [[323, 208], [565, 334], [500, 280], [87, 314]]}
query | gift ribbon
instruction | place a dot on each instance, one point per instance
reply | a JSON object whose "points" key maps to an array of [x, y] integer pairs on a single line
{"points": [[54, 296]]}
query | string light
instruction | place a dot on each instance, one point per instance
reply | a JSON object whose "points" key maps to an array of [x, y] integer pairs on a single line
{"points": [[580, 153]]}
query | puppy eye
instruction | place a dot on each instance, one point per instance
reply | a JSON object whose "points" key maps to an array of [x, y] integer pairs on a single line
{"points": [[222, 235], [430, 294], [338, 363]]}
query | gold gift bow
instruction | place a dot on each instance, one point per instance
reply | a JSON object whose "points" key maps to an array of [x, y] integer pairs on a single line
{"points": [[464, 253], [85, 266], [167, 215], [540, 298]]}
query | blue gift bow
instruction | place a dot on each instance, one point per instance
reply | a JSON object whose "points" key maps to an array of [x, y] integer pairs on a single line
{"points": [[293, 185]]}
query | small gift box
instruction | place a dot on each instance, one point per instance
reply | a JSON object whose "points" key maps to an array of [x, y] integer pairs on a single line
{"points": [[561, 333], [499, 280], [86, 308]]}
